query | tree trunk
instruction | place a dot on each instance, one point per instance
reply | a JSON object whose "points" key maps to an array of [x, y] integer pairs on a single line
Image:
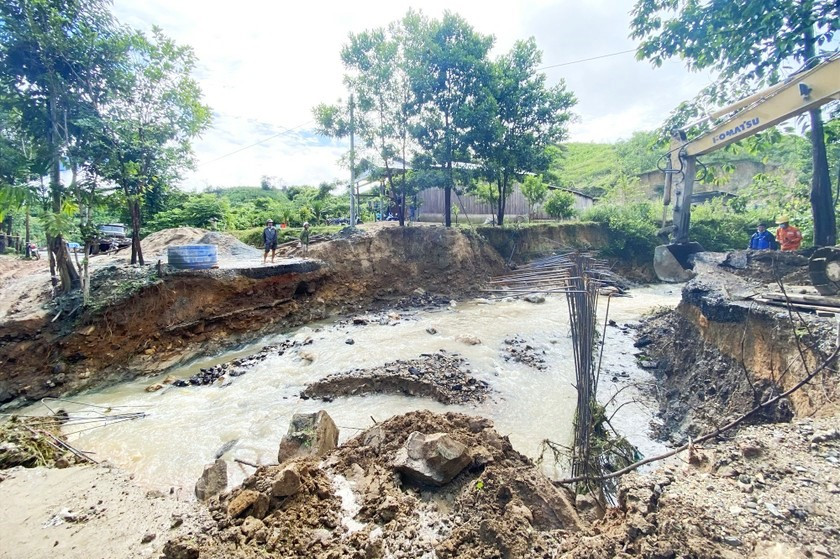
{"points": [[502, 182], [822, 204], [136, 249], [447, 196], [26, 224], [66, 271], [64, 264]]}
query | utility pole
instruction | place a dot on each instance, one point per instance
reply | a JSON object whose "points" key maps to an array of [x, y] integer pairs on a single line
{"points": [[352, 166]]}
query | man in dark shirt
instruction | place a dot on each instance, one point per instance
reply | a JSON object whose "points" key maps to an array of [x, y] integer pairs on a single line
{"points": [[269, 239], [762, 239]]}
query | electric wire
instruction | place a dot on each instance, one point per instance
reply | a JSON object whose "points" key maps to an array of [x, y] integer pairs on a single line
{"points": [[585, 59], [264, 140]]}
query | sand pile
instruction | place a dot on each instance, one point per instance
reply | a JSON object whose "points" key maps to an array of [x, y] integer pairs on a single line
{"points": [[155, 245]]}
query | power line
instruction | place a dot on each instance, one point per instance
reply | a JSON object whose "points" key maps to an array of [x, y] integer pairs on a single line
{"points": [[264, 140], [585, 59]]}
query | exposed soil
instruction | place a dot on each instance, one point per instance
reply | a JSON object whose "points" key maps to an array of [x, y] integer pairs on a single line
{"points": [[770, 492], [719, 354], [144, 322], [766, 490], [440, 376], [354, 504]]}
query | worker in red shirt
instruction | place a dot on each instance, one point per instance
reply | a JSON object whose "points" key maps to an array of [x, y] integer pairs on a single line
{"points": [[788, 236]]}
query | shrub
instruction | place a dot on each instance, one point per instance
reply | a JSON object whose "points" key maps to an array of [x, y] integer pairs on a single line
{"points": [[560, 204], [632, 229]]}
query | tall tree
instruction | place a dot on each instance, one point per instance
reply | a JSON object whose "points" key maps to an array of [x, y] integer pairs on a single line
{"points": [[748, 42], [528, 118], [375, 60], [54, 59], [150, 122], [449, 73]]}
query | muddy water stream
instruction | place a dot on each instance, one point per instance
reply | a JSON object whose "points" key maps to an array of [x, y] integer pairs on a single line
{"points": [[186, 426]]}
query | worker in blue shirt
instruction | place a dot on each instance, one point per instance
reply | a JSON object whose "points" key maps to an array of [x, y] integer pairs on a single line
{"points": [[762, 239]]}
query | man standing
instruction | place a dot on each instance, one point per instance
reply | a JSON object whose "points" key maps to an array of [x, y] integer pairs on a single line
{"points": [[762, 239], [304, 237], [269, 240], [788, 236]]}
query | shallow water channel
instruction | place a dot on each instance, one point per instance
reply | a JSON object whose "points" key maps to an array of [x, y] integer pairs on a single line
{"points": [[186, 426]]}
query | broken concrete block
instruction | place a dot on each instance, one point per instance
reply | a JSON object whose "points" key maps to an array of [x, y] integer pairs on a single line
{"points": [[309, 433], [431, 459]]}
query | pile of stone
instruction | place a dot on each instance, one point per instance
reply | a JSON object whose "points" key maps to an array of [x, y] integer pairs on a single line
{"points": [[238, 367], [516, 349], [421, 484], [441, 376]]}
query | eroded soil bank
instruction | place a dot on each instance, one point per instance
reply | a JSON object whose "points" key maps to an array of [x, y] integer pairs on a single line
{"points": [[766, 490], [721, 354], [152, 321]]}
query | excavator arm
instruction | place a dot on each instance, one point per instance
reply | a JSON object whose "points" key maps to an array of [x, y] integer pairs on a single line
{"points": [[800, 93]]}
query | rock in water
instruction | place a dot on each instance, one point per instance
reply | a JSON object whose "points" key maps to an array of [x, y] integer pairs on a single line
{"points": [[536, 299], [309, 433], [431, 459], [468, 339], [212, 481]]}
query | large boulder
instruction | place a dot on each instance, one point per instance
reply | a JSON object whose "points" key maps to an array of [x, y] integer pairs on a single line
{"points": [[431, 459], [212, 481], [309, 434]]}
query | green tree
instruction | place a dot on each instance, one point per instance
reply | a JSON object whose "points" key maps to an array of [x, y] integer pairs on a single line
{"points": [[560, 204], [527, 118], [535, 191], [449, 71], [375, 61], [56, 60], [749, 42], [151, 122]]}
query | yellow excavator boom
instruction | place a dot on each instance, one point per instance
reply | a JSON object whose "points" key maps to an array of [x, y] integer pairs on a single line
{"points": [[800, 93]]}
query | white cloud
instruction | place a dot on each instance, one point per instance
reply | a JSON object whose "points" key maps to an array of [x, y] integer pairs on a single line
{"points": [[264, 65]]}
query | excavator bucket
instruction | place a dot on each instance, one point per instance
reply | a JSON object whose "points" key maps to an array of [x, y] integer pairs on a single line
{"points": [[824, 269], [670, 262]]}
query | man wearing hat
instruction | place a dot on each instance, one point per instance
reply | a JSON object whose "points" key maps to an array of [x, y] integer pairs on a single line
{"points": [[788, 236], [762, 239], [269, 239]]}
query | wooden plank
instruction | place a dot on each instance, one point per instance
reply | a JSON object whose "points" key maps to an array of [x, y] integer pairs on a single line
{"points": [[803, 306], [807, 299]]}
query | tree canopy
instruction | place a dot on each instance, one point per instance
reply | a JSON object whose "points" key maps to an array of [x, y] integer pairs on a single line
{"points": [[427, 90]]}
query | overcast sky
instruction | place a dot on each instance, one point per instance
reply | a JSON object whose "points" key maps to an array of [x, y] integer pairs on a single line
{"points": [[264, 65]]}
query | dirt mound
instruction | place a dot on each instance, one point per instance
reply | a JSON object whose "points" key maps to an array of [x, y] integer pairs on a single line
{"points": [[229, 246], [155, 245], [440, 376], [769, 265], [767, 493], [354, 504]]}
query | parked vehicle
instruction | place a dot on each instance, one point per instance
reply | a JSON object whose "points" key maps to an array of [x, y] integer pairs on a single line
{"points": [[111, 237]]}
